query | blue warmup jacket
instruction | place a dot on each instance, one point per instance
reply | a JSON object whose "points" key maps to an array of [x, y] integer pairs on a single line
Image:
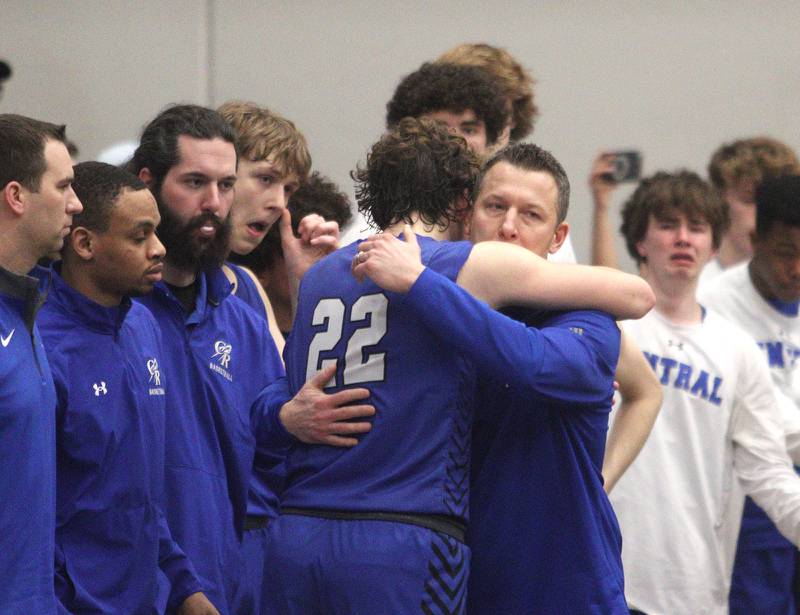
{"points": [[543, 535], [220, 356], [269, 472], [111, 533], [27, 454]]}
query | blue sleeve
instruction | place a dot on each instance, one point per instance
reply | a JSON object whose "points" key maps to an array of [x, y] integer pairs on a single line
{"points": [[175, 566], [571, 359], [269, 431]]}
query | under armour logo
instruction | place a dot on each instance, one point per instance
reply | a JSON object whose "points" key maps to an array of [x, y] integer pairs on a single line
{"points": [[100, 388], [678, 345], [223, 351], [155, 375]]}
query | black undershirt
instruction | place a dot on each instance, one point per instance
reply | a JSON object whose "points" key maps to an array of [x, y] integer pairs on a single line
{"points": [[186, 295]]}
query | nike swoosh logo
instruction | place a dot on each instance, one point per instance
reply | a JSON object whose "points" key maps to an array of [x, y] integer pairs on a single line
{"points": [[5, 340]]}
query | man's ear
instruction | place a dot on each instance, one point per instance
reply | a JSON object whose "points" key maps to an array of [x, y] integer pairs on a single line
{"points": [[467, 224], [146, 176], [81, 241], [13, 197], [559, 237]]}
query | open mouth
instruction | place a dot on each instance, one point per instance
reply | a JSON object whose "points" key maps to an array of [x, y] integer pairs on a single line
{"points": [[207, 230], [257, 228]]}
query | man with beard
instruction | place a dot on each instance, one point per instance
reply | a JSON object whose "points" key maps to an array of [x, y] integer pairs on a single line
{"points": [[105, 354], [219, 353]]}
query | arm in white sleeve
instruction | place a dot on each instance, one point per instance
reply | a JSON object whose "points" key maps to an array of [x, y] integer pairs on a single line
{"points": [[760, 458]]}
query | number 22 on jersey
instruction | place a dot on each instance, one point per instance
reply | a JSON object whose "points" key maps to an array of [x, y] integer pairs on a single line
{"points": [[359, 367]]}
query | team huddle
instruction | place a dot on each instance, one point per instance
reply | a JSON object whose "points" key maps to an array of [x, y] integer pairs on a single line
{"points": [[209, 407]]}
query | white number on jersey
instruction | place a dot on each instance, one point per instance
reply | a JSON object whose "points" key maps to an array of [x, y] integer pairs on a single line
{"points": [[359, 366]]}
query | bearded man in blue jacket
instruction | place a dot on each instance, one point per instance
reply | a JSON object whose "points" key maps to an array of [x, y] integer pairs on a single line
{"points": [[221, 355]]}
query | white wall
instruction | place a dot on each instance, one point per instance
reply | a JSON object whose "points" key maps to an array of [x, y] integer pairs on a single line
{"points": [[672, 80]]}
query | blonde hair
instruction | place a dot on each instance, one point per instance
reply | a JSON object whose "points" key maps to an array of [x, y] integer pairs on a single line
{"points": [[517, 83], [753, 160], [262, 134]]}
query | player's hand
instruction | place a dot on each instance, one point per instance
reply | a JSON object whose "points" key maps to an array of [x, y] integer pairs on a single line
{"points": [[599, 180], [392, 263], [315, 417], [318, 238], [197, 604]]}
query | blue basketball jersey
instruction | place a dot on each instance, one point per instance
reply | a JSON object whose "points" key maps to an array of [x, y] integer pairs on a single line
{"points": [[416, 457]]}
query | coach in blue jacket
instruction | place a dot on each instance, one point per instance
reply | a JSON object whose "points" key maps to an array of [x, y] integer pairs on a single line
{"points": [[36, 207], [105, 351]]}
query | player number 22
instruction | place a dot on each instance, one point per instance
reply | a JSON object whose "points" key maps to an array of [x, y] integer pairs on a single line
{"points": [[358, 366]]}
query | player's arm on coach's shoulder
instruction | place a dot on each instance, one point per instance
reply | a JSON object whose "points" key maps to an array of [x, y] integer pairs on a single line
{"points": [[504, 274]]}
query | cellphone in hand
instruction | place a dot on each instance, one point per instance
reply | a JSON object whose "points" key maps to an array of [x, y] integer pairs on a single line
{"points": [[627, 167]]}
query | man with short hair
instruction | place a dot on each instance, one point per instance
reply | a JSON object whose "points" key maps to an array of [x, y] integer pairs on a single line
{"points": [[382, 525], [109, 371], [762, 297], [548, 542], [220, 353], [464, 98], [38, 203], [719, 433]]}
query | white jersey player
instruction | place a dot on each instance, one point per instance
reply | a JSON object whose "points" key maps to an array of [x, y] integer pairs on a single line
{"points": [[679, 505], [762, 297]]}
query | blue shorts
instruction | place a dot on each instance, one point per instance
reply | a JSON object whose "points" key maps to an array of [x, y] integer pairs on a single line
{"points": [[254, 554], [357, 567], [763, 582]]}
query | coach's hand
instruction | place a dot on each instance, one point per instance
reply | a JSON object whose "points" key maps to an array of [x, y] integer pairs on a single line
{"points": [[391, 263], [197, 604], [315, 417]]}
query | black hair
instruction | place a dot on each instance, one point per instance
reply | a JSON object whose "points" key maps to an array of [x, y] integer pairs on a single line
{"points": [[98, 186], [158, 147], [777, 200]]}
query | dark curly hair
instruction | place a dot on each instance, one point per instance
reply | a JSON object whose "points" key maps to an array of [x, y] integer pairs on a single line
{"points": [[664, 193], [319, 195], [515, 80], [417, 168], [450, 87]]}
